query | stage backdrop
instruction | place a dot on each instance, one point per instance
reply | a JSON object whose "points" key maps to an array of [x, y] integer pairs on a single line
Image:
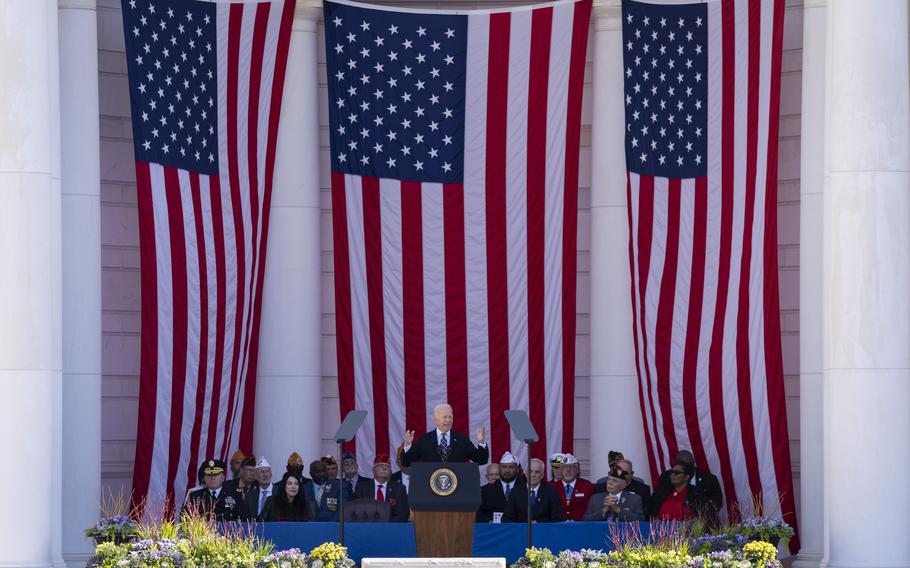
{"points": [[454, 158], [702, 92], [205, 82]]}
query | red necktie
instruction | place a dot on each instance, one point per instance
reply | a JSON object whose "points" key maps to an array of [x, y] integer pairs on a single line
{"points": [[379, 496]]}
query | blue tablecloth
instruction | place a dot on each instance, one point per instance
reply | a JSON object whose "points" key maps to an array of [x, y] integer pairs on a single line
{"points": [[383, 540]]}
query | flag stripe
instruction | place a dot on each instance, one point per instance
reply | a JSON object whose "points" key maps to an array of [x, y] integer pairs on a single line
{"points": [[669, 190], [343, 321], [392, 324], [221, 317], [413, 284], [582, 14], [541, 28], [453, 255], [360, 310], [497, 244], [439, 339]]}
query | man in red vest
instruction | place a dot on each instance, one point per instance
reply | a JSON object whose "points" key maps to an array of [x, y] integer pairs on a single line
{"points": [[574, 493]]}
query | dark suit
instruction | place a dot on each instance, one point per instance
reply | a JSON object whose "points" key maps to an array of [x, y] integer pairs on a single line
{"points": [[547, 510], [697, 501], [398, 477], [301, 509], [251, 503], [227, 507], [351, 492], [705, 481], [461, 449], [234, 485], [327, 506], [636, 486], [493, 500], [395, 496], [630, 508]]}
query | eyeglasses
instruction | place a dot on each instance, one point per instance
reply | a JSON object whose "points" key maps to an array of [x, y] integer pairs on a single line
{"points": [[677, 472]]}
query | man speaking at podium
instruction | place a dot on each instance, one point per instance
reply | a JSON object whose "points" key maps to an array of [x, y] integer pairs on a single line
{"points": [[443, 445]]}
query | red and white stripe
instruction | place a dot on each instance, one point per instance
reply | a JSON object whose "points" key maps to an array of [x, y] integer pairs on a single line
{"points": [[203, 242], [704, 278], [465, 293]]}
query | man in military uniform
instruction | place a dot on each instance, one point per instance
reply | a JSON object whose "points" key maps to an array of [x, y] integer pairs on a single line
{"points": [[325, 492], [246, 478], [225, 504]]}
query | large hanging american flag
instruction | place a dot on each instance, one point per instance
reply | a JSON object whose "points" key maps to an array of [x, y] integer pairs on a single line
{"points": [[205, 82], [702, 86], [454, 158]]}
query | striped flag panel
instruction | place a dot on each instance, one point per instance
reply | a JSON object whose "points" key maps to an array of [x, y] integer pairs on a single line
{"points": [[454, 149], [205, 82], [702, 85]]}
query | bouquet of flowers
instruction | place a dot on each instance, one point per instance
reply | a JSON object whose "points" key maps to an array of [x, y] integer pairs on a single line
{"points": [[291, 558], [329, 555], [707, 543], [536, 558], [770, 530], [119, 529]]}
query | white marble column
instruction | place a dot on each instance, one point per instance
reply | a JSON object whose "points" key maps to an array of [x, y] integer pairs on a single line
{"points": [[30, 282], [812, 170], [615, 409], [289, 382], [867, 286], [81, 226]]}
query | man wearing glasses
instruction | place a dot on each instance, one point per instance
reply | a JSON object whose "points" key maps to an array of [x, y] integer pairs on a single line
{"points": [[635, 485]]}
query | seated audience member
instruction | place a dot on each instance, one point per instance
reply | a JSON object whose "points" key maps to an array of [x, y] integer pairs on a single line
{"points": [[545, 505], [555, 464], [331, 466], [295, 467], [635, 485], [214, 499], [352, 478], [615, 504], [492, 474], [289, 502], [494, 496], [704, 480], [260, 492], [235, 463], [382, 488], [682, 500], [246, 479], [200, 483], [574, 493], [326, 491], [403, 475]]}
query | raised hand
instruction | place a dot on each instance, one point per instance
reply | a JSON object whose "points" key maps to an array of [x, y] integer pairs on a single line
{"points": [[408, 437], [481, 434]]}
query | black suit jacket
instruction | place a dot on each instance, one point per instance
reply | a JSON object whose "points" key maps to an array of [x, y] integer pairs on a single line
{"points": [[227, 507], [548, 509], [636, 486], [395, 496], [351, 494], [493, 500], [705, 481], [461, 449]]}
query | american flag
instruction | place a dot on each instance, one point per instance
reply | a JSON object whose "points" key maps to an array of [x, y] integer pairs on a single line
{"points": [[205, 83], [454, 158], [702, 86]]}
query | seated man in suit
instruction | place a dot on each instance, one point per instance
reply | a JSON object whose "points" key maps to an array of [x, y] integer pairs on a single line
{"points": [[214, 499], [574, 493], [492, 474], [615, 504], [705, 481], [545, 505], [494, 496], [259, 493], [443, 445], [635, 485], [352, 479], [325, 492], [381, 488]]}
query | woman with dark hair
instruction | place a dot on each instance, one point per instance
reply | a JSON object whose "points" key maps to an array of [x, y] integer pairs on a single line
{"points": [[289, 502], [682, 501]]}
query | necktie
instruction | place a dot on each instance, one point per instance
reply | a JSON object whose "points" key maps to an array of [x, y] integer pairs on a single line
{"points": [[533, 502], [444, 447], [262, 497], [508, 490], [214, 495], [319, 491], [349, 487], [379, 496], [568, 493]]}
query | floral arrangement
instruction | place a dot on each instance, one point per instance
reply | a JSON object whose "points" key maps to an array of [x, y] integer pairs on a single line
{"points": [[764, 529], [708, 543], [118, 529], [196, 542], [329, 555]]}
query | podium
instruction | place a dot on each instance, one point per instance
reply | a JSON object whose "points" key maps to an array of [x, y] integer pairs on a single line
{"points": [[444, 497]]}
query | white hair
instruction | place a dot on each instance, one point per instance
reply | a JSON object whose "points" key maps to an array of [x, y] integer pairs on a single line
{"points": [[543, 465], [442, 406]]}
